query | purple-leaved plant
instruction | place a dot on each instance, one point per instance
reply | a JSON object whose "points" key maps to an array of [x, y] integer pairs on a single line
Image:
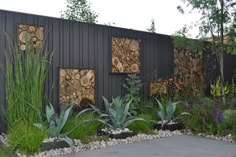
{"points": [[217, 114]]}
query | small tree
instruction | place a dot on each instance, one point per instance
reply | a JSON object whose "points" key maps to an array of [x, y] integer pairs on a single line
{"points": [[79, 10], [152, 27], [217, 23]]}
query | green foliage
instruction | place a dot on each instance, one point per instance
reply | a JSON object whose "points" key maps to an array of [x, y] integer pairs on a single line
{"points": [[182, 42], [57, 122], [200, 119], [146, 107], [5, 151], [116, 114], [233, 124], [215, 25], [87, 128], [25, 75], [133, 85], [79, 10], [166, 112], [143, 126], [216, 88], [228, 113], [232, 89], [207, 118], [152, 27], [26, 138]]}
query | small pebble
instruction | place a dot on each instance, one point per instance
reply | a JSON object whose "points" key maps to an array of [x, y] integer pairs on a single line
{"points": [[111, 142]]}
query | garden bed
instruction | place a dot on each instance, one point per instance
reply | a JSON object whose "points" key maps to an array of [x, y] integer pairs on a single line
{"points": [[111, 142]]}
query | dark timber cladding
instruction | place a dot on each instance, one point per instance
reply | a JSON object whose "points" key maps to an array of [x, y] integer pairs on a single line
{"points": [[77, 45], [88, 46]]}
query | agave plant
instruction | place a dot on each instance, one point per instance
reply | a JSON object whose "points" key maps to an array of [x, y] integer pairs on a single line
{"points": [[166, 114], [116, 114], [57, 122]]}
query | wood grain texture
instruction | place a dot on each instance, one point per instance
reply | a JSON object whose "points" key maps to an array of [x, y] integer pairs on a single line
{"points": [[188, 68], [76, 86], [30, 33], [125, 55]]}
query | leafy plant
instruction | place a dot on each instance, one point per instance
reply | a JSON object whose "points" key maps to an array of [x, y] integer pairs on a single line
{"points": [[232, 89], [87, 128], [215, 25], [200, 118], [116, 114], [216, 89], [233, 124], [227, 114], [26, 138], [166, 113], [25, 75], [143, 126], [57, 122], [133, 85], [79, 10], [5, 151], [206, 117]]}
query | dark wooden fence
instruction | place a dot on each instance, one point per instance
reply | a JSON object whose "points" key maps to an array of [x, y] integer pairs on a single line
{"points": [[88, 46]]}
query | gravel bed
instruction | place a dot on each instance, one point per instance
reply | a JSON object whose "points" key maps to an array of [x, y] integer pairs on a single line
{"points": [[111, 142], [227, 138]]}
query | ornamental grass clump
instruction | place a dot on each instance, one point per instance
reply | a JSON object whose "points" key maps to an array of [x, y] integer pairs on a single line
{"points": [[26, 72], [25, 138]]}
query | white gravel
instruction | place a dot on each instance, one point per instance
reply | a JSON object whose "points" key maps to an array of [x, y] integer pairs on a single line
{"points": [[112, 142]]}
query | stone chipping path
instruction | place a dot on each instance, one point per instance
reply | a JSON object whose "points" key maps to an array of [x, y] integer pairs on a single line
{"points": [[175, 146]]}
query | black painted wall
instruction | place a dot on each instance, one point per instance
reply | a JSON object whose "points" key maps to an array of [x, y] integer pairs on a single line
{"points": [[81, 45], [88, 46]]}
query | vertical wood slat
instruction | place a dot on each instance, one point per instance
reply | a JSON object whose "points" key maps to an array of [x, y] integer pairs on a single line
{"points": [[80, 45]]}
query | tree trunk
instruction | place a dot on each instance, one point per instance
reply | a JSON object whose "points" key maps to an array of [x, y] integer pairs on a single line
{"points": [[221, 55], [221, 66]]}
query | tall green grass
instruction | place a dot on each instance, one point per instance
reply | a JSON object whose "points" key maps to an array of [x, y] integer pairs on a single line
{"points": [[25, 138], [25, 76]]}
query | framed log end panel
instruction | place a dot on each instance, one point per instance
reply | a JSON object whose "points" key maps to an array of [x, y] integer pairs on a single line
{"points": [[30, 33], [77, 87], [157, 88], [125, 55]]}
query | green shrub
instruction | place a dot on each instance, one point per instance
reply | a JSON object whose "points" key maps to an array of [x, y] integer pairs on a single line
{"points": [[200, 119], [141, 126], [87, 126], [27, 139], [133, 85], [233, 125], [207, 117], [5, 152]]}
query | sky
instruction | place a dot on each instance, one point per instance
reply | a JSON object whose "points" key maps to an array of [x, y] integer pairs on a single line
{"points": [[131, 14]]}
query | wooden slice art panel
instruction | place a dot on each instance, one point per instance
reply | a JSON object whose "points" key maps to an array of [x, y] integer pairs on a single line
{"points": [[125, 55], [188, 68], [157, 88], [77, 86], [30, 33]]}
